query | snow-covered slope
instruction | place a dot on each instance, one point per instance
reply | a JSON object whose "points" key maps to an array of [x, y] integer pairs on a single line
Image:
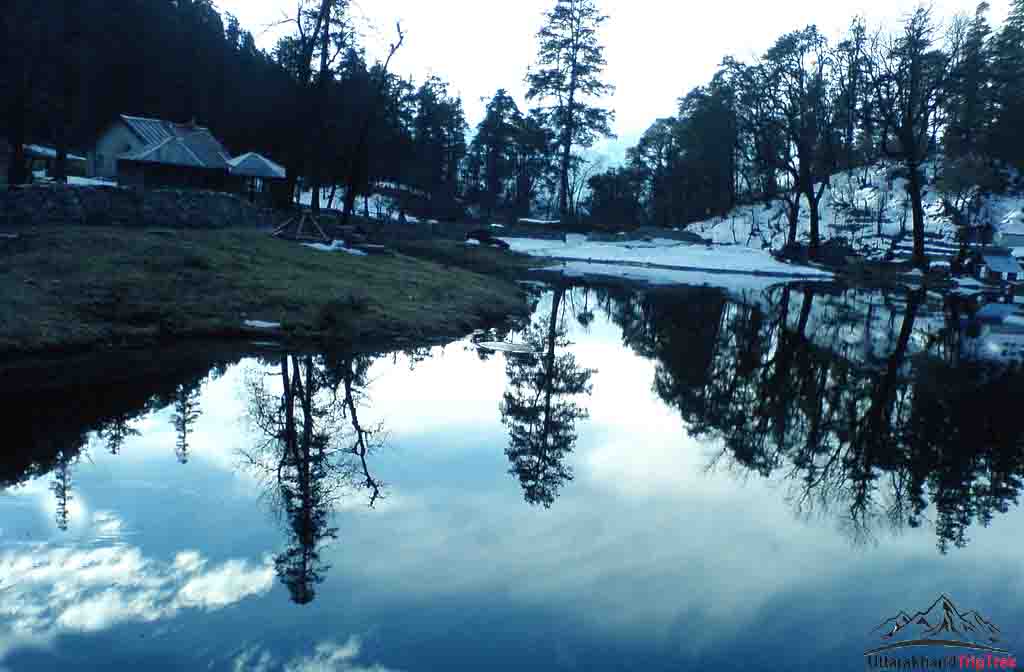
{"points": [[869, 207]]}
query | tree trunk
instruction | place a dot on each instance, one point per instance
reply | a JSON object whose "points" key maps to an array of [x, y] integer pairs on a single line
{"points": [[549, 362], [60, 171], [815, 223], [17, 172], [805, 312], [563, 185], [314, 197], [793, 212], [914, 187], [321, 109]]}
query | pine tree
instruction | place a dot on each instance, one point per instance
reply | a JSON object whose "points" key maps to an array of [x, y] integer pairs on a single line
{"points": [[186, 412], [967, 91], [1008, 89], [570, 63], [492, 153]]}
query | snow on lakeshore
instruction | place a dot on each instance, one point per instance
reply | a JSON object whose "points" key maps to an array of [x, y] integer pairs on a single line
{"points": [[733, 282], [670, 255]]}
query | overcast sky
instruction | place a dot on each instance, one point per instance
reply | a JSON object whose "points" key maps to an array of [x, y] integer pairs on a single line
{"points": [[657, 50]]}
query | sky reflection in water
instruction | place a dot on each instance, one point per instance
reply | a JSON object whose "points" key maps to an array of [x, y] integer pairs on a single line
{"points": [[657, 490]]}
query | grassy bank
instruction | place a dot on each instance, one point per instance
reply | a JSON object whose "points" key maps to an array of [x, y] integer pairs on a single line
{"points": [[74, 288]]}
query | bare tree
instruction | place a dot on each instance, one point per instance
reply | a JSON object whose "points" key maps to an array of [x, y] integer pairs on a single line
{"points": [[908, 78]]}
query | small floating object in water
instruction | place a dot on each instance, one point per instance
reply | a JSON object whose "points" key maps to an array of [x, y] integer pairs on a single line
{"points": [[509, 348], [259, 324]]}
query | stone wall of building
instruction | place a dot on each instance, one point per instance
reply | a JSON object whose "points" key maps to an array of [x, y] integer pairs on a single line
{"points": [[59, 205]]}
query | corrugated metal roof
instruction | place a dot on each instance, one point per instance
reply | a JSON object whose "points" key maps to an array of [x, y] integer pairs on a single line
{"points": [[1001, 262], [43, 152], [172, 151], [256, 165], [192, 146], [150, 131]]}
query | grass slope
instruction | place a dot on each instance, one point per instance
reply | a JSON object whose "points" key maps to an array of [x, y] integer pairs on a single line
{"points": [[70, 288]]}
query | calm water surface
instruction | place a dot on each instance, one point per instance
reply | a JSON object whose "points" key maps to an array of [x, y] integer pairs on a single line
{"points": [[664, 480]]}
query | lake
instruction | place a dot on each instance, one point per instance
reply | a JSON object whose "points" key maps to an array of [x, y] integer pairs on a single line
{"points": [[656, 479]]}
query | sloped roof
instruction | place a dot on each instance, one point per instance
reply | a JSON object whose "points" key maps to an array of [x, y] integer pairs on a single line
{"points": [[172, 151], [1013, 223], [176, 144], [256, 165], [1001, 262], [44, 152]]}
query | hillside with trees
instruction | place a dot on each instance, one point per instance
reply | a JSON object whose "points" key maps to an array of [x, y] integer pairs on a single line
{"points": [[915, 124], [932, 102]]}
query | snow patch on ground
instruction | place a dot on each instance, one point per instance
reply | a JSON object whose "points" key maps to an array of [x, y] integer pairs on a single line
{"points": [[90, 182], [736, 282], [671, 255], [510, 348], [868, 207], [336, 246], [259, 324]]}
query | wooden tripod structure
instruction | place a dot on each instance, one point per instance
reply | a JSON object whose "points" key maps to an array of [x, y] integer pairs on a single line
{"points": [[295, 229]]}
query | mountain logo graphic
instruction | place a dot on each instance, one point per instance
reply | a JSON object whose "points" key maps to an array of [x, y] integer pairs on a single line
{"points": [[941, 624]]}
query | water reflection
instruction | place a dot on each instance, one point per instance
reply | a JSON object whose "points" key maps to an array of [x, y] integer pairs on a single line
{"points": [[61, 488], [872, 408], [314, 453], [540, 407], [855, 401], [186, 412]]}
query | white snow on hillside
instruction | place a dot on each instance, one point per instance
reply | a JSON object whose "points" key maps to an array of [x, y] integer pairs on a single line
{"points": [[664, 254], [868, 207], [379, 206]]}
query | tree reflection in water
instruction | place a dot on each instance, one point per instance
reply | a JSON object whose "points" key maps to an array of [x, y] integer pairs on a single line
{"points": [[539, 407], [314, 453], [853, 398]]}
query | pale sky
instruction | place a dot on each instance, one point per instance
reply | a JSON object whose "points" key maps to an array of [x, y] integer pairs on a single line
{"points": [[657, 50]]}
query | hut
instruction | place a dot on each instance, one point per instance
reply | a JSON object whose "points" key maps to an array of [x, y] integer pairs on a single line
{"points": [[42, 161], [994, 264], [173, 162], [142, 152], [259, 179], [1012, 233]]}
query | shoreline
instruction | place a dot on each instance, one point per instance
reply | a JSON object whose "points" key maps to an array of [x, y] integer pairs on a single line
{"points": [[67, 291], [80, 291]]}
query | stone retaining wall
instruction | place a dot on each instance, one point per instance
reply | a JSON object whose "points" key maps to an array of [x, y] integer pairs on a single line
{"points": [[59, 205]]}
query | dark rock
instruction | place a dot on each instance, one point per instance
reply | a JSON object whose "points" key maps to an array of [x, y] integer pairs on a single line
{"points": [[62, 205], [485, 237], [836, 252]]}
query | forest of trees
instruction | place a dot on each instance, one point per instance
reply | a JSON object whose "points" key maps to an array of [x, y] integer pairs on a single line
{"points": [[935, 89], [780, 126], [315, 102]]}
